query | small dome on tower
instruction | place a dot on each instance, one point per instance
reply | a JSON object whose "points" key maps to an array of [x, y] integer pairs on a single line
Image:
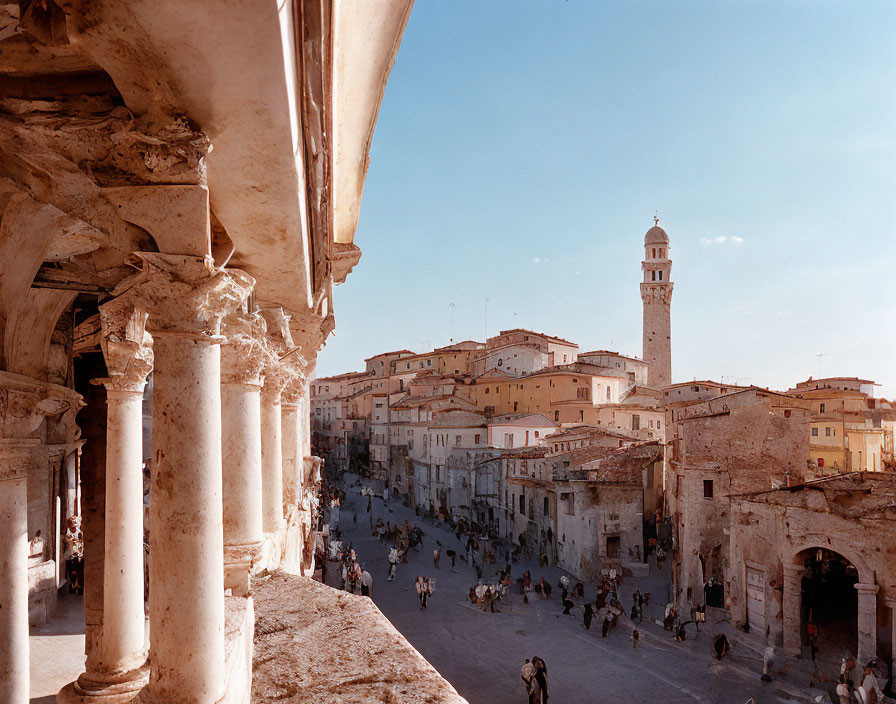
{"points": [[656, 235]]}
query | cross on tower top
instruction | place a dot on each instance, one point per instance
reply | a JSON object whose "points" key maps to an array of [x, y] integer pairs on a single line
{"points": [[656, 220]]}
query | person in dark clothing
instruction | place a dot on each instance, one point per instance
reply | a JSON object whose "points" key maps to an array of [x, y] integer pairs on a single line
{"points": [[567, 605], [452, 555], [541, 676], [605, 628], [720, 646], [589, 615]]}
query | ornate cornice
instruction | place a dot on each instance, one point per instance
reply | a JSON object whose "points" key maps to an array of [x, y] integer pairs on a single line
{"points": [[657, 292]]}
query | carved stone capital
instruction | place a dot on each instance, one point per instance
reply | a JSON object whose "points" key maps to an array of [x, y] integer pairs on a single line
{"points": [[16, 457], [277, 376], [25, 402], [127, 347], [184, 295], [295, 389], [243, 353]]}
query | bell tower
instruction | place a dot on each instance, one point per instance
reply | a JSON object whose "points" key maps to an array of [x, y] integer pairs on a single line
{"points": [[656, 294]]}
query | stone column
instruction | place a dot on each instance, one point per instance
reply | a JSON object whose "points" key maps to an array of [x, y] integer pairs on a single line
{"points": [[242, 358], [867, 620], [185, 300], [275, 380], [116, 668], [14, 678], [290, 409], [791, 608]]}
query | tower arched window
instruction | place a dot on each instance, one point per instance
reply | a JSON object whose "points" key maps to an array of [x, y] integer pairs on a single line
{"points": [[653, 273], [660, 278]]}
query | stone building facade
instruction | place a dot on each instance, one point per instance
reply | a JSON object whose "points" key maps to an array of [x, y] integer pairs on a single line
{"points": [[740, 442], [820, 552], [179, 190]]}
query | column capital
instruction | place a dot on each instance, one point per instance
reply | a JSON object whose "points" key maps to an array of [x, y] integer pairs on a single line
{"points": [[184, 295], [869, 589], [243, 352], [295, 387], [15, 458], [127, 347], [278, 376], [890, 600], [25, 402]]}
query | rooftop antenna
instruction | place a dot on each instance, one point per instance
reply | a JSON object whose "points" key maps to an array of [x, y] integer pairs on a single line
{"points": [[820, 355], [487, 299], [453, 306]]}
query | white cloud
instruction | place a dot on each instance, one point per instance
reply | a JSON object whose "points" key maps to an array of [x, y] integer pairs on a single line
{"points": [[540, 260], [720, 240]]}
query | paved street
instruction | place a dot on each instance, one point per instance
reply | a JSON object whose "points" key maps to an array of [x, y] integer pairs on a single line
{"points": [[481, 653]]}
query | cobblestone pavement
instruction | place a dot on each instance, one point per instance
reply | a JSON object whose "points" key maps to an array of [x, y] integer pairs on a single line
{"points": [[481, 653]]}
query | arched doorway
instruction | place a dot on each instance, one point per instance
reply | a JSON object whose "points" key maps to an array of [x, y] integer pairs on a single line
{"points": [[829, 603]]}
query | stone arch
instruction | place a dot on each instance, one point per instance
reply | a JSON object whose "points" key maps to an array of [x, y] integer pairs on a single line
{"points": [[866, 574], [30, 330]]}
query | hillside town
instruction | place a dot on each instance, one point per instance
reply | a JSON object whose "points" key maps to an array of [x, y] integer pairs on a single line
{"points": [[192, 512], [769, 507]]}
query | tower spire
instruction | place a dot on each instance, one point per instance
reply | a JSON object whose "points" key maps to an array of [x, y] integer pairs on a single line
{"points": [[656, 295]]}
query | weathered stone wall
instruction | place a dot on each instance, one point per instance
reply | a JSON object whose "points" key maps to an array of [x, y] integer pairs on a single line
{"points": [[772, 530], [600, 512], [733, 445]]}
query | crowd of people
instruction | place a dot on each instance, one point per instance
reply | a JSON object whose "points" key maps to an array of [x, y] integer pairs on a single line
{"points": [[478, 548]]}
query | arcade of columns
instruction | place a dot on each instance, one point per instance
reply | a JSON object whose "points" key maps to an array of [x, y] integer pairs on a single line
{"points": [[230, 448]]}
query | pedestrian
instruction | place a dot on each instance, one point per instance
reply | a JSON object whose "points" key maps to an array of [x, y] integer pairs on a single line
{"points": [[844, 695], [567, 605], [422, 590], [669, 617], [635, 638], [393, 562], [768, 660], [366, 583], [541, 677], [452, 555], [490, 598], [870, 689], [385, 495], [812, 632], [528, 675], [589, 615], [720, 646], [605, 626], [369, 501], [437, 554]]}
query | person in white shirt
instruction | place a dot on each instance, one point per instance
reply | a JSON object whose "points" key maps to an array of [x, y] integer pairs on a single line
{"points": [[393, 562], [869, 692], [366, 583], [527, 673]]}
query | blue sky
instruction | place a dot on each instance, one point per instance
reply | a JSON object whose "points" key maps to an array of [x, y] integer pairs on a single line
{"points": [[523, 147]]}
